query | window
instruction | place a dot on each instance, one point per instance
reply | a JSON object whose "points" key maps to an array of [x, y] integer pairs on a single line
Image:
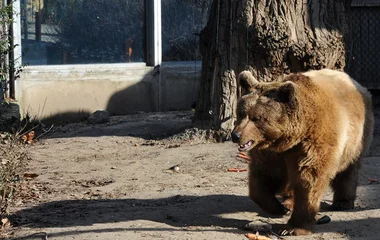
{"points": [[56, 32], [182, 21], [82, 31]]}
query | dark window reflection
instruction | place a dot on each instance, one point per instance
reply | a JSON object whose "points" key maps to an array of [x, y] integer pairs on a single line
{"points": [[182, 20], [82, 31]]}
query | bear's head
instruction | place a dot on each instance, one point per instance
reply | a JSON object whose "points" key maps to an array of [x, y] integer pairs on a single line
{"points": [[264, 114]]}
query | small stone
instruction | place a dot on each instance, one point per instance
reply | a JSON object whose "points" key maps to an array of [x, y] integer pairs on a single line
{"points": [[323, 220], [258, 226], [175, 168], [99, 117]]}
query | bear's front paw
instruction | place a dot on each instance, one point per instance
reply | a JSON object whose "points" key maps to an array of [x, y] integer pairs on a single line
{"points": [[288, 203], [342, 205], [294, 232]]}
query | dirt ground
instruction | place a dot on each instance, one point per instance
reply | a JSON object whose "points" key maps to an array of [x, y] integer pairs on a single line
{"points": [[111, 181]]}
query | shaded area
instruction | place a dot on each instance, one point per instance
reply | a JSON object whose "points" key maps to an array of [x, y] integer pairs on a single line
{"points": [[144, 125], [176, 211], [333, 226], [43, 235], [142, 96], [375, 148], [171, 87], [67, 117]]}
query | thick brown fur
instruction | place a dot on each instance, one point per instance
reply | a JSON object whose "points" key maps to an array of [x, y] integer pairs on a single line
{"points": [[303, 134]]}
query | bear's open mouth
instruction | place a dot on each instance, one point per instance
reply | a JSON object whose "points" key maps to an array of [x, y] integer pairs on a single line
{"points": [[245, 147]]}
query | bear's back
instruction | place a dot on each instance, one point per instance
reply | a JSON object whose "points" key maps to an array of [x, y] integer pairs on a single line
{"points": [[339, 84], [353, 103]]}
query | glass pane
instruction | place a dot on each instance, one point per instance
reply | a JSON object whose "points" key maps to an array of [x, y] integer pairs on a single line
{"points": [[182, 21], [82, 31]]}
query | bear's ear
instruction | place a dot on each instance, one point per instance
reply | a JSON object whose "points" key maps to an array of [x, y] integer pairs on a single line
{"points": [[286, 92], [247, 82]]}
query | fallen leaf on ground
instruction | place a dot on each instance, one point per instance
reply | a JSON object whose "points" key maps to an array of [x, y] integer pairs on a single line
{"points": [[30, 175], [28, 137], [372, 180], [174, 146], [5, 223]]}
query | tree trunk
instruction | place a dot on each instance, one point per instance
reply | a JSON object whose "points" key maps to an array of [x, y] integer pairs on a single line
{"points": [[269, 38]]}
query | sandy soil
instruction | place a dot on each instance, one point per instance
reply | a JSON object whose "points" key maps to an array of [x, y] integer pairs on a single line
{"points": [[111, 181]]}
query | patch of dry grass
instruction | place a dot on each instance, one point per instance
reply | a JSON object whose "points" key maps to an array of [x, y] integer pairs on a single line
{"points": [[13, 159]]}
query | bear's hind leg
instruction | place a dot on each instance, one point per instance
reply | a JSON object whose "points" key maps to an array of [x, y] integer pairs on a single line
{"points": [[344, 186]]}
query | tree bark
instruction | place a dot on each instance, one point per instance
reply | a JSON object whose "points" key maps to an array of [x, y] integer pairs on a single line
{"points": [[270, 38]]}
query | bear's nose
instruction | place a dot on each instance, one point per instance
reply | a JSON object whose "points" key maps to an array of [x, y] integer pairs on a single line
{"points": [[235, 137]]}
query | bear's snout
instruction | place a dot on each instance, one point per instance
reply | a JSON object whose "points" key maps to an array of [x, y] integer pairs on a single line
{"points": [[235, 137]]}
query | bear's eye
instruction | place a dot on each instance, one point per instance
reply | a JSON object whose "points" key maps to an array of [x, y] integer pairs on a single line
{"points": [[271, 94], [254, 118]]}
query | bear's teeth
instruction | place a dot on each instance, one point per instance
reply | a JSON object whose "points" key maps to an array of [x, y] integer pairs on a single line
{"points": [[246, 146]]}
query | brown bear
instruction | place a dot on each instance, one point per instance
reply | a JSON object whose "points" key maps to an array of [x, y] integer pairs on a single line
{"points": [[303, 133]]}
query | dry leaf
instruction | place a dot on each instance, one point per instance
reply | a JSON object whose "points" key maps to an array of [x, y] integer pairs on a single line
{"points": [[5, 224], [372, 180], [5, 221], [30, 175], [28, 137]]}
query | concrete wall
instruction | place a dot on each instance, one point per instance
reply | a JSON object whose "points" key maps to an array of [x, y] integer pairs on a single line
{"points": [[179, 85], [65, 92]]}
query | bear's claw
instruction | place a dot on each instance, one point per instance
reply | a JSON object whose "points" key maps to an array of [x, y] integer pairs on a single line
{"points": [[286, 232], [294, 232]]}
